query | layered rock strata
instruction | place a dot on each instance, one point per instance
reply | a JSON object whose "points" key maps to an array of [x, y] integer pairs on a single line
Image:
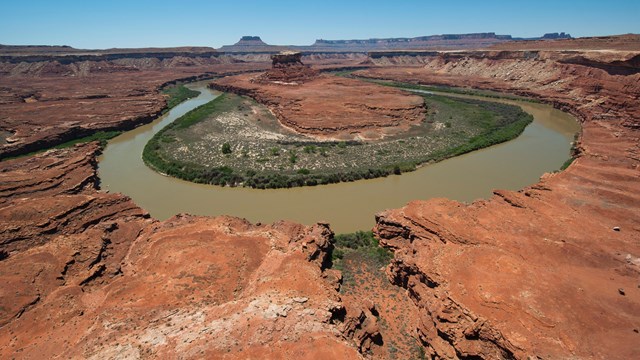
{"points": [[549, 271], [45, 103], [287, 69], [330, 107], [89, 275]]}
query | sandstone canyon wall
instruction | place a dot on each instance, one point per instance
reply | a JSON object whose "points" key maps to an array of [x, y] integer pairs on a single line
{"points": [[552, 270], [88, 274]]}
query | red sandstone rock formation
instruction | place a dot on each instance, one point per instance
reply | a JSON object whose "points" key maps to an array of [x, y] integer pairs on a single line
{"points": [[287, 69], [332, 107], [48, 97], [45, 103], [551, 270], [89, 275]]}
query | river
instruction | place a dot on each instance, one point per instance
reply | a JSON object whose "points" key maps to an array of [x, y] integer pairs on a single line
{"points": [[542, 147]]}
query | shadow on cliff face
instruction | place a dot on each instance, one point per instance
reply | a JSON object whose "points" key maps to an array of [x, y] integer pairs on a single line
{"points": [[618, 67]]}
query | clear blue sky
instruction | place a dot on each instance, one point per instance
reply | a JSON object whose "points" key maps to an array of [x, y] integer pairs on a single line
{"points": [[132, 23]]}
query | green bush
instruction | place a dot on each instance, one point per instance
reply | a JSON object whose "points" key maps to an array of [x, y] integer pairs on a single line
{"points": [[364, 243], [355, 240], [178, 94]]}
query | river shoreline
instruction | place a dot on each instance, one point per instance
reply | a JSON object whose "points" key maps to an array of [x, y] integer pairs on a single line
{"points": [[190, 147], [347, 206]]}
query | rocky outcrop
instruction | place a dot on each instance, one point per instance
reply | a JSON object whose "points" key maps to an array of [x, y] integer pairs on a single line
{"points": [[46, 104], [54, 195], [439, 42], [359, 110], [549, 271], [57, 230], [287, 69], [286, 58], [89, 275], [555, 36]]}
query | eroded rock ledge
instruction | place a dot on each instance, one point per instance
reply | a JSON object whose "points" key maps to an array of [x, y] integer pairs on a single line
{"points": [[46, 103], [88, 274], [552, 270], [330, 107]]}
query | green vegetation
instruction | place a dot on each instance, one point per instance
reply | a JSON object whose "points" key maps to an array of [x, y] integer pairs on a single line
{"points": [[194, 116], [496, 129], [177, 94], [566, 164], [101, 136], [574, 152], [363, 243], [344, 73], [293, 157], [451, 90], [265, 155], [226, 148], [192, 172]]}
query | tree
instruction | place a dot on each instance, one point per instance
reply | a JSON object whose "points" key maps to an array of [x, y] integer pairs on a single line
{"points": [[226, 148]]}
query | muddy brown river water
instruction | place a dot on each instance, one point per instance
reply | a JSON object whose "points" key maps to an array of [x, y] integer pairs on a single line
{"points": [[542, 147]]}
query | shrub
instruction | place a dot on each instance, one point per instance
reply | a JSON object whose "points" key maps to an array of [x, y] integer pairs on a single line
{"points": [[226, 148], [366, 244], [355, 240]]}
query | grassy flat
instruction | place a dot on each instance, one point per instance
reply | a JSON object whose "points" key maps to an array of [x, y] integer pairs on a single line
{"points": [[233, 140]]}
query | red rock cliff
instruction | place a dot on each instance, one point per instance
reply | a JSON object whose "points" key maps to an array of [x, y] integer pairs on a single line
{"points": [[551, 270]]}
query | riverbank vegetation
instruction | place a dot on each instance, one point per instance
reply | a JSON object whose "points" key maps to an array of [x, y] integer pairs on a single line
{"points": [[362, 263], [101, 136], [235, 141], [176, 94], [489, 94]]}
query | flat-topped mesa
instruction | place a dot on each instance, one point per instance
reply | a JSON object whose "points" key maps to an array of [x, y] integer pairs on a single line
{"points": [[287, 69], [250, 41]]}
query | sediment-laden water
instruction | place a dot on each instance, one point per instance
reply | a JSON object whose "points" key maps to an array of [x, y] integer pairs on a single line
{"points": [[542, 147]]}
